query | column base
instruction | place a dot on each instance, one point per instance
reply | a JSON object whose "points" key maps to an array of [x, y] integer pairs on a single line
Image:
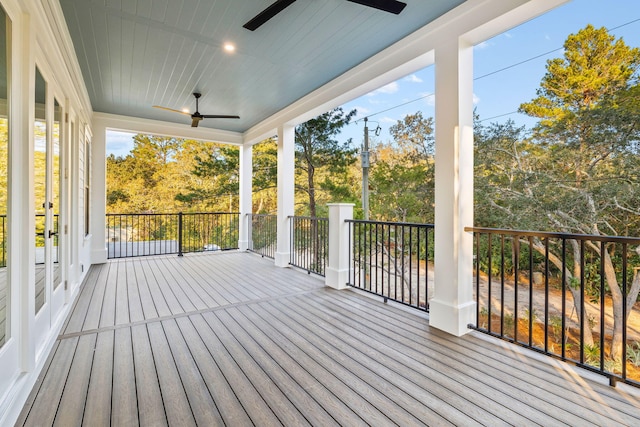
{"points": [[282, 259], [243, 245], [336, 279], [99, 256], [451, 319]]}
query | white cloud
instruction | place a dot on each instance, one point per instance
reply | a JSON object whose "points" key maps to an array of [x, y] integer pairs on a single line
{"points": [[482, 45], [388, 119], [508, 35], [413, 79], [476, 99], [389, 89]]}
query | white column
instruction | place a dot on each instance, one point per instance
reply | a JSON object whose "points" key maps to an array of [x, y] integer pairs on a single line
{"points": [[453, 307], [286, 178], [21, 206], [98, 190], [338, 268], [246, 202]]}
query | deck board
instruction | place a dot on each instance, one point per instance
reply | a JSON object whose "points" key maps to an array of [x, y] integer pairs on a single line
{"points": [[75, 389], [229, 339], [175, 399], [124, 408], [147, 302], [150, 407], [98, 402], [86, 315]]}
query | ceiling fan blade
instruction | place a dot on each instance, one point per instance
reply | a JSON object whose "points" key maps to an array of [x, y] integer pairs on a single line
{"points": [[267, 14], [194, 121], [218, 116], [171, 109], [391, 6]]}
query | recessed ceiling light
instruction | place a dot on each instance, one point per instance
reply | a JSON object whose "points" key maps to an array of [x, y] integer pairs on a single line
{"points": [[229, 47], [185, 110]]}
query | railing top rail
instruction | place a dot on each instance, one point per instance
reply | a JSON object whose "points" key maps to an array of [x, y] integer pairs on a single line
{"points": [[210, 213], [410, 224], [174, 213], [554, 235], [253, 214], [314, 218]]}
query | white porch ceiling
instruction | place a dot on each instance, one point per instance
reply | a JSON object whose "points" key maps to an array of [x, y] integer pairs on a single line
{"points": [[138, 53]]}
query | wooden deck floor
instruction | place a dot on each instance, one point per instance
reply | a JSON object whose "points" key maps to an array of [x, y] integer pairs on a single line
{"points": [[229, 339]]}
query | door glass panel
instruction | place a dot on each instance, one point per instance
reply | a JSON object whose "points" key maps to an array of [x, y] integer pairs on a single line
{"points": [[40, 185], [56, 190], [4, 160]]}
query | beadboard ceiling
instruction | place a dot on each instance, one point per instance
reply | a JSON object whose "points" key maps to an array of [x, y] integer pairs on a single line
{"points": [[138, 53]]}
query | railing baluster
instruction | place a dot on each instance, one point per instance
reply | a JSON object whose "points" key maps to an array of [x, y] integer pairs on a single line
{"points": [[531, 309], [602, 306], [624, 310], [582, 306]]}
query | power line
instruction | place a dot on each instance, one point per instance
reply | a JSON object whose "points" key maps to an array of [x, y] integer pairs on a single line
{"points": [[495, 72], [498, 116], [397, 106]]}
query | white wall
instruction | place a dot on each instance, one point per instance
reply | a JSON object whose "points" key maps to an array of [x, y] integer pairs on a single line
{"points": [[39, 37]]}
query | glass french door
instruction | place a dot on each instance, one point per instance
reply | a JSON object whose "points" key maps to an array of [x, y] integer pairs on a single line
{"points": [[48, 137], [40, 154]]}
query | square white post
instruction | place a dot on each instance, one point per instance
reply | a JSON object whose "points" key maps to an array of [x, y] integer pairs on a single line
{"points": [[286, 179], [338, 270], [98, 191], [452, 307], [246, 202]]}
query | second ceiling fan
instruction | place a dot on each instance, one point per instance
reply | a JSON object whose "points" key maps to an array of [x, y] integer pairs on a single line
{"points": [[196, 117], [391, 6]]}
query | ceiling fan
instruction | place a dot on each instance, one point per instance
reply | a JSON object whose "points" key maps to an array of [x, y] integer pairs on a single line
{"points": [[196, 117], [391, 6]]}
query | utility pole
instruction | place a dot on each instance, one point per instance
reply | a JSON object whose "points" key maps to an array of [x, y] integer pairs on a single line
{"points": [[364, 161]]}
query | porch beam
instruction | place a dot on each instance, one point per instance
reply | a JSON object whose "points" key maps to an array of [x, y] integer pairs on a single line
{"points": [[453, 307], [286, 171]]}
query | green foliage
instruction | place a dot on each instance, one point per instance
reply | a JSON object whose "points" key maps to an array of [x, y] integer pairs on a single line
{"points": [[633, 353], [555, 322], [592, 354], [164, 174], [403, 175], [595, 66], [321, 157]]}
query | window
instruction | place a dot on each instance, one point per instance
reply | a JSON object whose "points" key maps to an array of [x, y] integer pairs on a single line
{"points": [[87, 181]]}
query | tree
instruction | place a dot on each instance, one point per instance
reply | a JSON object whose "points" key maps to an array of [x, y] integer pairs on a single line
{"points": [[318, 150], [265, 176], [587, 106], [403, 175]]}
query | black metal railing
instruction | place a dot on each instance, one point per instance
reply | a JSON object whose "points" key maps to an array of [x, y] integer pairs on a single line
{"points": [[132, 235], [393, 260], [569, 296], [309, 243], [263, 232]]}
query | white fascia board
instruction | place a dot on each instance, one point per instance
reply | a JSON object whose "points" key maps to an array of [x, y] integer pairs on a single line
{"points": [[473, 21], [156, 127], [57, 49]]}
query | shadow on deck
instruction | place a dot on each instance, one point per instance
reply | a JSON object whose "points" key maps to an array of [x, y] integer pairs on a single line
{"points": [[229, 339]]}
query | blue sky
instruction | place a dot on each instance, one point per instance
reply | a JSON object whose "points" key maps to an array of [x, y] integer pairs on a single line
{"points": [[496, 95]]}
